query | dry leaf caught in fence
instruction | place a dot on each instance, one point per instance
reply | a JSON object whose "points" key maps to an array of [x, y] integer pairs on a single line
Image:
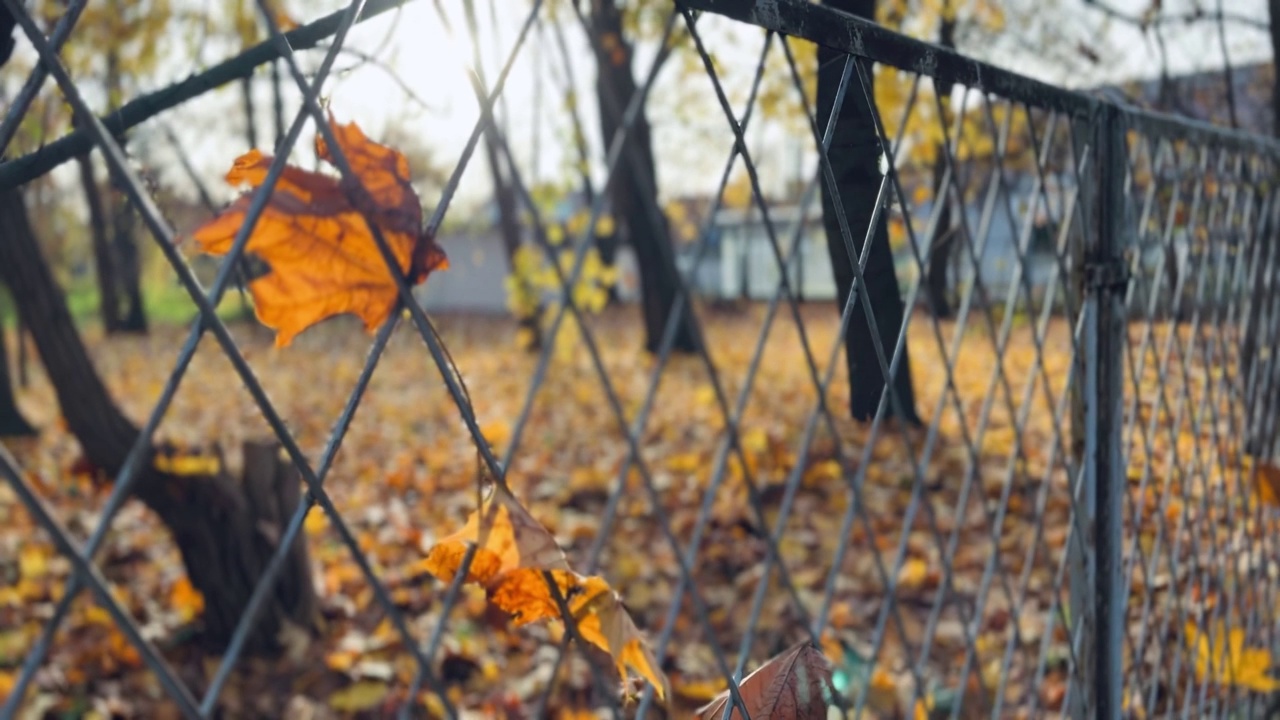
{"points": [[795, 685]]}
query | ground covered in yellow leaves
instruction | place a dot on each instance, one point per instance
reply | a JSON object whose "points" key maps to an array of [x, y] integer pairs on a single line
{"points": [[974, 565]]}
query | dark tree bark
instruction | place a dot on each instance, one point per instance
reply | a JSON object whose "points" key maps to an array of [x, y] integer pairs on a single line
{"points": [[943, 239], [634, 190], [936, 285], [224, 528], [855, 157], [607, 246], [1273, 6], [125, 261], [133, 315], [12, 422], [103, 253], [21, 340], [277, 103], [250, 126], [7, 24], [1261, 308], [1262, 294]]}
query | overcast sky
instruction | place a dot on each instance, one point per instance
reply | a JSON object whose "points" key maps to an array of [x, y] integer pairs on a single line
{"points": [[418, 59]]}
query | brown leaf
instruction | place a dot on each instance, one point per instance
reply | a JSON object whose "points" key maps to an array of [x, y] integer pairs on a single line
{"points": [[514, 551], [792, 686], [512, 539], [605, 623]]}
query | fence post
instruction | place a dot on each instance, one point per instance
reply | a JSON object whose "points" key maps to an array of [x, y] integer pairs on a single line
{"points": [[1099, 278], [1106, 328]]}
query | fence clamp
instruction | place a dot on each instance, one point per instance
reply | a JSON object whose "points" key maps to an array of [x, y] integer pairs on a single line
{"points": [[1112, 274]]}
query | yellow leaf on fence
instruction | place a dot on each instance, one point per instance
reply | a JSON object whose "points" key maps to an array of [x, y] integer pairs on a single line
{"points": [[524, 594], [1222, 656], [514, 551], [603, 622], [511, 539]]}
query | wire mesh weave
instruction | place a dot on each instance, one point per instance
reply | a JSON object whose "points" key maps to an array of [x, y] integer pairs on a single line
{"points": [[1114, 299]]}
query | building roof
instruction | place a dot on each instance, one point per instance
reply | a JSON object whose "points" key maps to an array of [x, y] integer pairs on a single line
{"points": [[1203, 96]]}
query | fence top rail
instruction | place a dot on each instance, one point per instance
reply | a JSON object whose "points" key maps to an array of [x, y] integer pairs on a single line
{"points": [[838, 30]]}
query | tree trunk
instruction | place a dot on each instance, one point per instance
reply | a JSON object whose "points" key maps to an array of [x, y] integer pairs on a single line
{"points": [[634, 190], [1273, 6], [277, 103], [130, 316], [607, 246], [1259, 438], [855, 156], [250, 127], [21, 340], [222, 527], [531, 323], [504, 195], [133, 316], [103, 253], [1260, 310], [12, 423], [509, 226], [943, 239]]}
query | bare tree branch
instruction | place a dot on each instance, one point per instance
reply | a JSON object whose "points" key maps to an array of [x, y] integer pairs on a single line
{"points": [[1185, 18], [33, 165], [206, 199], [1227, 73], [371, 60]]}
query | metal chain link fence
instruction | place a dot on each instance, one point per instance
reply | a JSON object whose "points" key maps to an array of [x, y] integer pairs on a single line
{"points": [[1103, 380]]}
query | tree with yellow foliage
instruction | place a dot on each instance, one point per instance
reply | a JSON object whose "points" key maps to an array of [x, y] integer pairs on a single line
{"points": [[116, 45]]}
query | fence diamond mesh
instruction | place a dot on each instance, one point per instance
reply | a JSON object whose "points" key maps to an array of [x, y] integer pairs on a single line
{"points": [[1017, 470]]}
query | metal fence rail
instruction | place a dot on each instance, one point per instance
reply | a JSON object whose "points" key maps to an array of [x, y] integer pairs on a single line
{"points": [[1098, 402]]}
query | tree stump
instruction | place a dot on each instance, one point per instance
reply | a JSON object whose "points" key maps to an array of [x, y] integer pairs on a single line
{"points": [[227, 532]]}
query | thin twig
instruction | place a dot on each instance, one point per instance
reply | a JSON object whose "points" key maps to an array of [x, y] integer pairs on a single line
{"points": [[32, 165], [1185, 18], [206, 199], [372, 60], [1227, 73]]}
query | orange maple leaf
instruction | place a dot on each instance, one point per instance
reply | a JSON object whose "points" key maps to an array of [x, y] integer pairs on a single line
{"points": [[314, 237], [513, 552]]}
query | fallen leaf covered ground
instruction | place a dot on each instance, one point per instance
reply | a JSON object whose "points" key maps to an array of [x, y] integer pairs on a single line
{"points": [[982, 562]]}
